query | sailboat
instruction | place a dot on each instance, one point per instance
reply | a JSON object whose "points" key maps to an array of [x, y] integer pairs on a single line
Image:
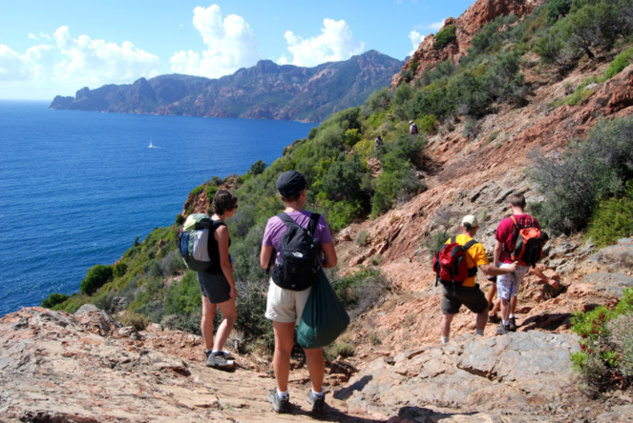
{"points": [[150, 144]]}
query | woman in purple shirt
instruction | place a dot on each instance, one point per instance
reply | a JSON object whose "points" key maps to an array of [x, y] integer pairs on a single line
{"points": [[285, 307]]}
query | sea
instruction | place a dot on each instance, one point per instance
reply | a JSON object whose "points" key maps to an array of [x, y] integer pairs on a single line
{"points": [[77, 188]]}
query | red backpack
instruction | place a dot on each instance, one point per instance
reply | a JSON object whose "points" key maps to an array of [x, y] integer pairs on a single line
{"points": [[450, 264], [528, 248]]}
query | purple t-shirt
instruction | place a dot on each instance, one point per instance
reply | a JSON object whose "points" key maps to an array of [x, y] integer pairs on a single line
{"points": [[275, 229]]}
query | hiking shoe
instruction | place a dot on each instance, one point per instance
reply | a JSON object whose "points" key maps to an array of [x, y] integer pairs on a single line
{"points": [[219, 360], [501, 329], [493, 318], [280, 405], [317, 402], [512, 324]]}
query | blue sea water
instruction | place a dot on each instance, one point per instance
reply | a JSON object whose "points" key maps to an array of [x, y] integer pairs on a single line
{"points": [[76, 188]]}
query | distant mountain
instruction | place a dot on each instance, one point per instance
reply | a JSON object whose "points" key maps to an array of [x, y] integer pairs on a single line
{"points": [[265, 91]]}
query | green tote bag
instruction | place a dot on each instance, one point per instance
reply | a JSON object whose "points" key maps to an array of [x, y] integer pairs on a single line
{"points": [[324, 317]]}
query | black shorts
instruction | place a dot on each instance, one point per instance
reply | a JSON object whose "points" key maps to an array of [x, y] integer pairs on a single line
{"points": [[470, 296], [214, 286]]}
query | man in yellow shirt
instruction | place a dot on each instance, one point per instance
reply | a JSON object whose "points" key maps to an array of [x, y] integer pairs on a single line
{"points": [[468, 293]]}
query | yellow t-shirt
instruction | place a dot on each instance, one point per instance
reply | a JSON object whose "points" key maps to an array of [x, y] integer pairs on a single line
{"points": [[476, 256]]}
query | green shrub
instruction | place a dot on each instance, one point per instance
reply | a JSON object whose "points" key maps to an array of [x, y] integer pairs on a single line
{"points": [[435, 241], [54, 299], [428, 124], [557, 9], [445, 36], [119, 270], [605, 359], [96, 277], [573, 182], [258, 167], [360, 291], [621, 61], [361, 238], [612, 219], [342, 349], [136, 320]]}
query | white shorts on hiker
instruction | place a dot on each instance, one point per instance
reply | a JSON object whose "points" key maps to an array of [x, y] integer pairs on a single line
{"points": [[507, 282], [285, 305]]}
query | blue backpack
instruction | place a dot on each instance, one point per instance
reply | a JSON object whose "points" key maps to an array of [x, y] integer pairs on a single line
{"points": [[193, 241]]}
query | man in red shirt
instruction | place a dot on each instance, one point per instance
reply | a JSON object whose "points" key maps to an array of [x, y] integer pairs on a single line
{"points": [[505, 241]]}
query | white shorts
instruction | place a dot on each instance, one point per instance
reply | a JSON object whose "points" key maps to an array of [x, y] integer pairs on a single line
{"points": [[510, 282], [285, 305]]}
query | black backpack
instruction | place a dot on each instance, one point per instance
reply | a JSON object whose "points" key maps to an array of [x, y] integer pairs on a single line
{"points": [[297, 267]]}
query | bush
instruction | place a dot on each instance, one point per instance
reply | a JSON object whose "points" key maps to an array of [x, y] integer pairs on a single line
{"points": [[618, 64], [574, 181], [445, 36], [605, 359], [136, 320], [360, 291], [612, 219], [361, 238], [258, 167], [557, 9], [96, 277], [54, 299]]}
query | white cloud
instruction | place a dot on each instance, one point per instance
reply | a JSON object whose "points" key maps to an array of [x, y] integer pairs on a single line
{"points": [[436, 26], [416, 38], [82, 61], [336, 42], [230, 43], [99, 61]]}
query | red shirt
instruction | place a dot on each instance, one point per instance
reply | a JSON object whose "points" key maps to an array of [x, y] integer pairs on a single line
{"points": [[507, 234]]}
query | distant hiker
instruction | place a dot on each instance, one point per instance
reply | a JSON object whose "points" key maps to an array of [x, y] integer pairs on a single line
{"points": [[413, 128], [218, 286], [284, 305], [378, 142], [467, 293], [506, 239]]}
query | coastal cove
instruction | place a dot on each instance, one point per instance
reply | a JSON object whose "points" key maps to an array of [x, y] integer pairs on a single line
{"points": [[77, 188]]}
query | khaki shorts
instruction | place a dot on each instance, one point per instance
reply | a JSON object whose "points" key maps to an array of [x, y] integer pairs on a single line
{"points": [[469, 296], [285, 305]]}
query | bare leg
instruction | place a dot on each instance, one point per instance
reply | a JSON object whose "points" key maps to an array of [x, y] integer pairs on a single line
{"points": [[445, 326], [206, 324], [284, 338], [229, 312], [482, 319], [316, 367]]}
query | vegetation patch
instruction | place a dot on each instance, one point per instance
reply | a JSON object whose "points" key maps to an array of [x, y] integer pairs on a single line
{"points": [[605, 359]]}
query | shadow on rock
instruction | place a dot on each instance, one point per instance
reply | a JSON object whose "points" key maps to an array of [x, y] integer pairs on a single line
{"points": [[347, 392], [421, 414], [546, 321]]}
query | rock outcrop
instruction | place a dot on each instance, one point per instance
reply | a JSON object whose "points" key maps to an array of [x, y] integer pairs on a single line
{"points": [[476, 16]]}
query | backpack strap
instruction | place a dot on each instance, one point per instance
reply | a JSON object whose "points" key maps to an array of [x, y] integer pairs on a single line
{"points": [[289, 221], [473, 270]]}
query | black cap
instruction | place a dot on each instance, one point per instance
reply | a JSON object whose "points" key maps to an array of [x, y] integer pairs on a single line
{"points": [[290, 183]]}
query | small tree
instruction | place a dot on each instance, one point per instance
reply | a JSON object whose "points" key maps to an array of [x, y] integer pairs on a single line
{"points": [[97, 276]]}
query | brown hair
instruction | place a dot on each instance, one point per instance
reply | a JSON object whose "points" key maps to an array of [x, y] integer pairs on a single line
{"points": [[291, 198], [517, 200], [223, 201]]}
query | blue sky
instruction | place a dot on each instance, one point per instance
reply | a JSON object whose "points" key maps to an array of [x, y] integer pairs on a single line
{"points": [[50, 47]]}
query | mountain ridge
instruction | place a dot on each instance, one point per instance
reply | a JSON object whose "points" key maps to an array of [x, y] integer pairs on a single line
{"points": [[264, 91]]}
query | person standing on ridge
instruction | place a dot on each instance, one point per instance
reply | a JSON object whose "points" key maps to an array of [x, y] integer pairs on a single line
{"points": [[285, 306], [505, 241], [378, 142], [413, 128], [468, 293], [217, 285]]}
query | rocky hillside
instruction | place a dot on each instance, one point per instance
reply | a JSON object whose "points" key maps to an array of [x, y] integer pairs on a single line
{"points": [[265, 91], [86, 367]]}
